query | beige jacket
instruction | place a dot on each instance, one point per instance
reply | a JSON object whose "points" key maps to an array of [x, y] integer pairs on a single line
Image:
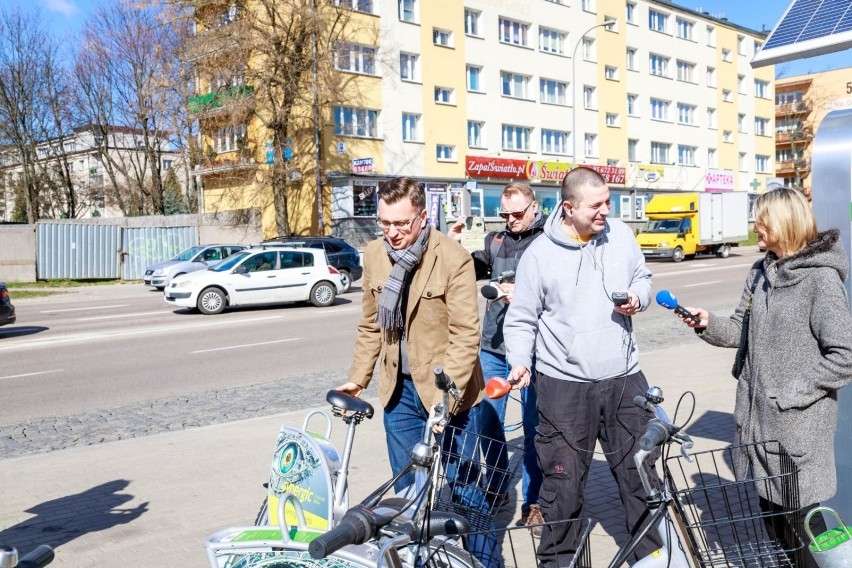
{"points": [[441, 322]]}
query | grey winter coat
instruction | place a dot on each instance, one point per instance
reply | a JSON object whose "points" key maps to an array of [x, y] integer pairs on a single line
{"points": [[799, 355]]}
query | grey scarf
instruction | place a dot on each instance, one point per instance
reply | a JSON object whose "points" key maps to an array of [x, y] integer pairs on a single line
{"points": [[390, 316]]}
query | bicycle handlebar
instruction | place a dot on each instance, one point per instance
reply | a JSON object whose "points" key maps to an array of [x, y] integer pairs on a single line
{"points": [[355, 527], [39, 557]]}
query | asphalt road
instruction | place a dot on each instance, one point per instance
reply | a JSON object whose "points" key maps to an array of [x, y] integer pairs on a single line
{"points": [[110, 362]]}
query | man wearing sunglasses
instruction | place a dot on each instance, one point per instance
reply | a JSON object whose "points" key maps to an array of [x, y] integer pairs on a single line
{"points": [[503, 250]]}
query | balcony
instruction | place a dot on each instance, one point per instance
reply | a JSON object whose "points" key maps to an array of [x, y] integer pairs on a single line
{"points": [[801, 136], [792, 109], [218, 99], [792, 167], [221, 165]]}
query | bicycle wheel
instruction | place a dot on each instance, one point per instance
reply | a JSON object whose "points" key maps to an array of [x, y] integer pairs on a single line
{"points": [[262, 518], [443, 554]]}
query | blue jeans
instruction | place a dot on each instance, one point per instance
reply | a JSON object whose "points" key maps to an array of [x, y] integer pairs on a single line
{"points": [[494, 365], [404, 419]]}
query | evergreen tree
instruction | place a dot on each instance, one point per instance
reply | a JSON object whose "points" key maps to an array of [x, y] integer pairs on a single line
{"points": [[174, 201]]}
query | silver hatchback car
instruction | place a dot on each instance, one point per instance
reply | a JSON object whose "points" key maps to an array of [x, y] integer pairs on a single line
{"points": [[200, 257]]}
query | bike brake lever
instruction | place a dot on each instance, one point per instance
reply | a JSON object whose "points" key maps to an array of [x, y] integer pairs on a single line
{"points": [[456, 393], [686, 444]]}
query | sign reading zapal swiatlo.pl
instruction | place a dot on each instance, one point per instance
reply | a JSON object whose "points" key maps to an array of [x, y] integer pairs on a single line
{"points": [[505, 168]]}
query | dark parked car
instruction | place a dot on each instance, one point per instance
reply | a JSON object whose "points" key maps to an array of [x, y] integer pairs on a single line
{"points": [[7, 310], [341, 255]]}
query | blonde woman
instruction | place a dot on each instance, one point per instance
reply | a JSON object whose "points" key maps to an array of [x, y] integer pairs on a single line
{"points": [[799, 345]]}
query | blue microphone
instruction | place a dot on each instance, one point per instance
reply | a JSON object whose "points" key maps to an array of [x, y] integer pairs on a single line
{"points": [[668, 301]]}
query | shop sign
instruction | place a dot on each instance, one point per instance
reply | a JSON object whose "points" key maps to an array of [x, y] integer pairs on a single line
{"points": [[503, 168], [651, 173], [362, 165], [719, 180]]}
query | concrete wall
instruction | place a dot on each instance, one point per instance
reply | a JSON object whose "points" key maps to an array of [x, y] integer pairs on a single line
{"points": [[17, 253]]}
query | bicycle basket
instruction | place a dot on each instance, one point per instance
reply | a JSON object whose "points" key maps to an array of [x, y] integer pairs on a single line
{"points": [[744, 518], [520, 546], [474, 475]]}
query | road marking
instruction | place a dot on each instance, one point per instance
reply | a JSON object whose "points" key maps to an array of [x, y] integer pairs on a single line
{"points": [[31, 374], [245, 345], [115, 316], [702, 283], [82, 309], [697, 270]]}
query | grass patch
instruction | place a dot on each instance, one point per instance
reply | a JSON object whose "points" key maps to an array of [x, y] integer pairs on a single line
{"points": [[61, 283], [751, 240], [23, 294]]}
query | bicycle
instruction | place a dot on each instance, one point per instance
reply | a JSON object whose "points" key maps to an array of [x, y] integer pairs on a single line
{"points": [[308, 464], [40, 556], [398, 531]]}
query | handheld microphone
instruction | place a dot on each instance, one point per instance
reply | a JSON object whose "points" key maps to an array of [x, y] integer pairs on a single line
{"points": [[497, 387], [668, 301], [492, 292]]}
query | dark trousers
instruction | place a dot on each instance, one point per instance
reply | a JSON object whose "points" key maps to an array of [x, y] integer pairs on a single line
{"points": [[573, 416], [790, 531]]}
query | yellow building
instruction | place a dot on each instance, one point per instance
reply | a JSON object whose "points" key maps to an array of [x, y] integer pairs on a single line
{"points": [[467, 96]]}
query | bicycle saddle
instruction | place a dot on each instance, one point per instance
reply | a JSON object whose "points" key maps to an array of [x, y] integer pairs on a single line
{"points": [[445, 523], [349, 403]]}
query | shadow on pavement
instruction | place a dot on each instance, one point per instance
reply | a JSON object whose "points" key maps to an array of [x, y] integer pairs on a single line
{"points": [[62, 520], [713, 425], [21, 330]]}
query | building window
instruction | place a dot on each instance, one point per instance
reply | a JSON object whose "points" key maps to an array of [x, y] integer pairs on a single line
{"points": [[612, 119], [631, 59], [409, 66], [443, 38], [360, 122], [659, 109], [761, 126], [516, 137], [474, 82], [632, 148], [741, 123], [711, 36], [727, 96], [761, 89], [515, 85], [685, 114], [711, 157], [355, 58], [743, 158], [589, 98], [685, 29], [657, 21], [588, 49], [410, 127], [445, 95], [711, 77], [471, 22], [554, 142], [762, 164], [659, 153], [474, 134], [741, 85], [711, 117], [588, 5], [445, 153], [685, 71], [514, 32], [726, 55], [553, 92], [741, 45], [686, 155], [611, 72], [365, 6], [727, 136], [227, 138], [789, 97], [408, 11], [659, 65], [632, 106], [630, 12], [590, 145], [551, 41]]}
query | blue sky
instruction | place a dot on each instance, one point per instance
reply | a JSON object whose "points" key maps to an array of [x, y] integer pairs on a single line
{"points": [[68, 15]]}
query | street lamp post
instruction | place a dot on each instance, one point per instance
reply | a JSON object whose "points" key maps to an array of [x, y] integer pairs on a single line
{"points": [[606, 24]]}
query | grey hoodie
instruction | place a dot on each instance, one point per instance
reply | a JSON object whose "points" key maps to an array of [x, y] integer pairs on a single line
{"points": [[562, 311]]}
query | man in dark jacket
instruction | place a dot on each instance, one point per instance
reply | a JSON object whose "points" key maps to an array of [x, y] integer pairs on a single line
{"points": [[498, 261]]}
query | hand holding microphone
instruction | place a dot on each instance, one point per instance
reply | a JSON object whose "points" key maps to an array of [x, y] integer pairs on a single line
{"points": [[493, 292], [668, 301]]}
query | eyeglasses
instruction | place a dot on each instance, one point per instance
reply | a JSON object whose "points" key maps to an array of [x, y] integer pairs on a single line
{"points": [[400, 226], [519, 214]]}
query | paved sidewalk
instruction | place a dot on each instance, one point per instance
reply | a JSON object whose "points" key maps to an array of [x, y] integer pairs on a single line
{"points": [[151, 501]]}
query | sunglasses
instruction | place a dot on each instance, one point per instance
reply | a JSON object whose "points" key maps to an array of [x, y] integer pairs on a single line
{"points": [[519, 214]]}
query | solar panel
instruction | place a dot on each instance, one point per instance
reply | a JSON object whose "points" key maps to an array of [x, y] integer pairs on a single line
{"points": [[808, 28]]}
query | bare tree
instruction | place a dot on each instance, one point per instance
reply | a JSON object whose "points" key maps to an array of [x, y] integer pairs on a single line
{"points": [[30, 78], [127, 68]]}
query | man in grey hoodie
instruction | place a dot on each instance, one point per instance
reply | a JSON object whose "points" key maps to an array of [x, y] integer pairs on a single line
{"points": [[563, 315]]}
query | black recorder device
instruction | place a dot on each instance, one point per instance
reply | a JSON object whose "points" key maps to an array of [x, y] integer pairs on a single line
{"points": [[620, 298]]}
